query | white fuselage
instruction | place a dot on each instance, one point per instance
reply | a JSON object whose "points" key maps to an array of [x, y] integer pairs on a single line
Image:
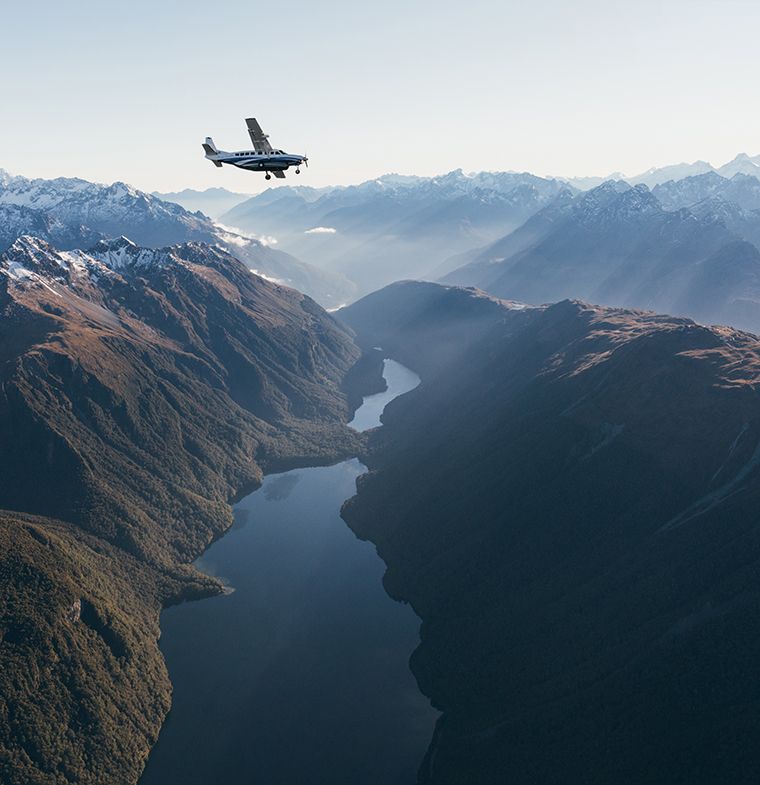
{"points": [[258, 161]]}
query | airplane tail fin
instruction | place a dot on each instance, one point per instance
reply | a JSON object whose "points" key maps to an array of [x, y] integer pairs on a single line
{"points": [[210, 149]]}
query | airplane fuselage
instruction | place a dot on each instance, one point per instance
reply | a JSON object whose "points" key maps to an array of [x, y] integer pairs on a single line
{"points": [[276, 161]]}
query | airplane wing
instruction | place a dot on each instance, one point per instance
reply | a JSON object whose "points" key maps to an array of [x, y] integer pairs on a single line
{"points": [[258, 137], [281, 175]]}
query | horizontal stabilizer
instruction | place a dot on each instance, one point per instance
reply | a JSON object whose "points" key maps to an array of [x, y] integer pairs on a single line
{"points": [[210, 149]]}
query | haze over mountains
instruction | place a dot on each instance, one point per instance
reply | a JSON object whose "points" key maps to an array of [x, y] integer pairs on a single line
{"points": [[617, 245], [661, 244], [73, 213], [394, 227], [568, 500]]}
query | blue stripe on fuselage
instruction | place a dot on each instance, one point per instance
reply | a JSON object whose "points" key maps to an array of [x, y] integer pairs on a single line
{"points": [[263, 163]]}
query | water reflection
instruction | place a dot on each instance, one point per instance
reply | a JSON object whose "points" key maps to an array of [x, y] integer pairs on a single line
{"points": [[301, 675], [280, 486]]}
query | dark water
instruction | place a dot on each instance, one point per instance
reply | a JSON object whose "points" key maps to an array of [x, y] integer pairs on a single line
{"points": [[299, 674]]}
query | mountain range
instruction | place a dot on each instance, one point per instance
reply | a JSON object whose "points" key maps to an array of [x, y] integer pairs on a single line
{"points": [[211, 200], [74, 213], [618, 245], [393, 227], [141, 391], [398, 227], [569, 501]]}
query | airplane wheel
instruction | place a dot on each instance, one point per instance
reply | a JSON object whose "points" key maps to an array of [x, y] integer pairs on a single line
{"points": [[268, 177], [298, 171]]}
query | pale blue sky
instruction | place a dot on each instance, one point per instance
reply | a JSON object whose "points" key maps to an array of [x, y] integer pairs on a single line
{"points": [[128, 91]]}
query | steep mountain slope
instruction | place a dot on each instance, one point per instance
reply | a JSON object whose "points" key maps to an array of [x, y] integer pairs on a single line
{"points": [[741, 221], [141, 390], [120, 209], [18, 220], [618, 246], [482, 263], [571, 504], [394, 227]]}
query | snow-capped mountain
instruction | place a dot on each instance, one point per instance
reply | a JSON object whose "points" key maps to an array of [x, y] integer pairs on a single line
{"points": [[32, 262], [741, 189], [653, 176], [142, 389], [73, 213], [17, 220], [742, 222], [111, 209], [394, 227], [742, 164], [617, 245]]}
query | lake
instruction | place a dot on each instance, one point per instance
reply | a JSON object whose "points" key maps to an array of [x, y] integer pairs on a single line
{"points": [[299, 674]]}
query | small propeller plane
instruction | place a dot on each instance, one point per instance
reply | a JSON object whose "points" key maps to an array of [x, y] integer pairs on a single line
{"points": [[263, 158]]}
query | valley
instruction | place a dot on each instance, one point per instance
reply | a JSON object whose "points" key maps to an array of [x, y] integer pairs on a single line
{"points": [[315, 683], [142, 392], [568, 500]]}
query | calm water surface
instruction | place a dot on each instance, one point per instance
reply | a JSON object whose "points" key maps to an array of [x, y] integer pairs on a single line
{"points": [[300, 673]]}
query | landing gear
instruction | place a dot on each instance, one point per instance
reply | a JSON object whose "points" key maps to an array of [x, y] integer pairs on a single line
{"points": [[298, 171], [268, 176]]}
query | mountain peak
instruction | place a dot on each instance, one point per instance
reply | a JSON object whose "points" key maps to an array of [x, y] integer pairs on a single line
{"points": [[32, 261], [742, 164]]}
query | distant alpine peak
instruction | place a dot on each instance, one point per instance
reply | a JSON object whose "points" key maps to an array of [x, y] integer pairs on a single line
{"points": [[487, 186], [616, 200], [742, 164]]}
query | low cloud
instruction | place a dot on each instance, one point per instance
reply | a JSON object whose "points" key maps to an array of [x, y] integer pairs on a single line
{"points": [[235, 236], [280, 281], [321, 230]]}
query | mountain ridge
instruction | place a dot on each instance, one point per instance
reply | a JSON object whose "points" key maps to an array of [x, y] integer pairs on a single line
{"points": [[616, 244], [141, 390], [119, 209], [569, 505]]}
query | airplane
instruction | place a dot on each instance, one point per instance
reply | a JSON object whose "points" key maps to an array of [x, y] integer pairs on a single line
{"points": [[261, 159]]}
